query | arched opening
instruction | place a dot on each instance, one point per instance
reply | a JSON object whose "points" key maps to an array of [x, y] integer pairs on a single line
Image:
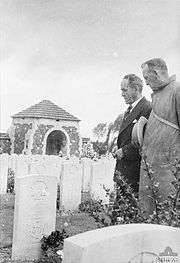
{"points": [[56, 143]]}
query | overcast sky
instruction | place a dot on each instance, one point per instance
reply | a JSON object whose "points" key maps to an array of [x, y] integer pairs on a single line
{"points": [[76, 52]]}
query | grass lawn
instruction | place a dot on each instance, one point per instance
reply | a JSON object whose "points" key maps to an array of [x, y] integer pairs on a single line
{"points": [[75, 223]]}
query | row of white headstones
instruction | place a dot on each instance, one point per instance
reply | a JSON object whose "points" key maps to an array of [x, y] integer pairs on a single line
{"points": [[74, 175], [36, 180]]}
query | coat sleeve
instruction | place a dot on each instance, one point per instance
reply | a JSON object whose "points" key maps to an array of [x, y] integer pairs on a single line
{"points": [[147, 112], [130, 152]]}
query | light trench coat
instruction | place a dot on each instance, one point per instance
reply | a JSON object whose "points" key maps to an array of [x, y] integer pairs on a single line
{"points": [[161, 144]]}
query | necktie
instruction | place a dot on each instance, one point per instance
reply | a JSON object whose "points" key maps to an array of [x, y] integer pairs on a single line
{"points": [[127, 112]]}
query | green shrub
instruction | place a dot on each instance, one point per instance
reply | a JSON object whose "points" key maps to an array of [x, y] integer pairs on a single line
{"points": [[126, 208], [97, 210], [10, 181]]}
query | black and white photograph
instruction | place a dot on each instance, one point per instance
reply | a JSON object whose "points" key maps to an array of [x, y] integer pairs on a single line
{"points": [[90, 131]]}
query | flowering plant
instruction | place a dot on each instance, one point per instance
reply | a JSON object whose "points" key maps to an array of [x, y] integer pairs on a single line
{"points": [[52, 246]]}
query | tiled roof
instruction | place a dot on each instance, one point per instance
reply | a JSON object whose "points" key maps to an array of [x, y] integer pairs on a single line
{"points": [[4, 136], [46, 109]]}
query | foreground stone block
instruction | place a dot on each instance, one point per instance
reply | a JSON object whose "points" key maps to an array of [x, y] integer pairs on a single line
{"points": [[34, 215], [133, 243]]}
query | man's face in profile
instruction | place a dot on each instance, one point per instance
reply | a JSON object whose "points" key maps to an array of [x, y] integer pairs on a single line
{"points": [[152, 78], [128, 93]]}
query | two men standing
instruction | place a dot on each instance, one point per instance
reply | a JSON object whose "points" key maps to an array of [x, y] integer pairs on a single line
{"points": [[161, 146]]}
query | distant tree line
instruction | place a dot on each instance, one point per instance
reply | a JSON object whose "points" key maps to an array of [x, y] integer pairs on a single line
{"points": [[106, 135]]}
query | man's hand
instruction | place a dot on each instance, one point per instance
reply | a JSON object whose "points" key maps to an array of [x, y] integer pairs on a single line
{"points": [[119, 154]]}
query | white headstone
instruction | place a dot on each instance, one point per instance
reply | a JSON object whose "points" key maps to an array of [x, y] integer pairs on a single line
{"points": [[102, 176], [3, 172], [71, 181], [22, 167], [46, 165], [38, 164], [34, 215], [86, 174], [131, 243]]}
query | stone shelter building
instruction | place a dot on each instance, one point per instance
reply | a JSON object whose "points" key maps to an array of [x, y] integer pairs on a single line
{"points": [[45, 128]]}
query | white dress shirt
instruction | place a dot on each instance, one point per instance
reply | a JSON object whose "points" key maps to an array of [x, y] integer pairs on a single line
{"points": [[135, 103]]}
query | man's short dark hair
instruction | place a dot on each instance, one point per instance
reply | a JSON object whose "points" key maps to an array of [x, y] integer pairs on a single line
{"points": [[156, 64], [134, 81]]}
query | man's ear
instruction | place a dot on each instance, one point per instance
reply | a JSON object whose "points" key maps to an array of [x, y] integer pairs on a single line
{"points": [[135, 88], [156, 72]]}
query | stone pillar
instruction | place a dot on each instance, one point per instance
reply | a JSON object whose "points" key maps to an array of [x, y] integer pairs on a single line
{"points": [[34, 215], [3, 172]]}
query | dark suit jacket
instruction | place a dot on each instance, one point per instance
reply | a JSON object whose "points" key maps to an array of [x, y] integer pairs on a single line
{"points": [[129, 165]]}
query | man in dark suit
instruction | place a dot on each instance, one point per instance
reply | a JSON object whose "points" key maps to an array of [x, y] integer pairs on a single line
{"points": [[127, 155]]}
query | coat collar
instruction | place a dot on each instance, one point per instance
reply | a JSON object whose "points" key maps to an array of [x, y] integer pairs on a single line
{"points": [[132, 116], [160, 88]]}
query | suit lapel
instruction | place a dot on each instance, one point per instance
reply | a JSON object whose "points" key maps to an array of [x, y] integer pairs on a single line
{"points": [[133, 114]]}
